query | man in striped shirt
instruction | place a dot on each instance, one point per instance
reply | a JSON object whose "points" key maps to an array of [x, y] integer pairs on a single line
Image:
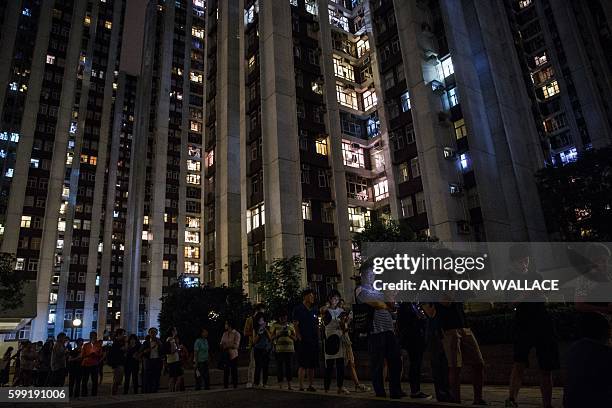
{"points": [[382, 342]]}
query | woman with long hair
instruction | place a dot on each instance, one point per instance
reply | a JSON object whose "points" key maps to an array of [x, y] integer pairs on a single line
{"points": [[262, 345]]}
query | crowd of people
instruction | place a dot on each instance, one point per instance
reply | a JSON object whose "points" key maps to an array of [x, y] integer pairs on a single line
{"points": [[308, 334]]}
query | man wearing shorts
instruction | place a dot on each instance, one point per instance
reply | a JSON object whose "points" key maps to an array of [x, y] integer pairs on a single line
{"points": [[306, 323], [460, 347], [533, 329]]}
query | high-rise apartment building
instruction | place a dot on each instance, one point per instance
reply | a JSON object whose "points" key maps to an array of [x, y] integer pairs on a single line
{"points": [[164, 229], [59, 76], [564, 50], [261, 129]]}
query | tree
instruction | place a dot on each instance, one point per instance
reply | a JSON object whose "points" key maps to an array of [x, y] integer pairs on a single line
{"points": [[388, 231], [577, 198], [279, 285], [192, 308], [11, 284]]}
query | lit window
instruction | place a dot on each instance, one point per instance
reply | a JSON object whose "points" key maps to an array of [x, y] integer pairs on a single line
{"points": [[93, 160], [50, 59], [20, 264], [447, 67], [381, 190], [255, 217], [369, 99], [460, 129], [193, 165], [34, 163], [26, 12], [312, 7], [193, 179], [353, 155], [524, 3], [540, 59], [165, 264], [210, 158], [358, 218], [9, 172], [87, 20], [405, 99], [26, 221], [197, 32], [463, 161], [346, 97], [192, 237], [108, 25], [13, 86], [195, 77], [306, 210], [192, 222], [321, 146], [551, 89], [250, 13], [403, 171], [453, 97]]}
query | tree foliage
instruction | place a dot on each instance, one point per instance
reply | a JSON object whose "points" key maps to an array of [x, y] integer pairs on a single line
{"points": [[11, 284], [577, 198], [192, 308], [279, 285], [388, 231]]}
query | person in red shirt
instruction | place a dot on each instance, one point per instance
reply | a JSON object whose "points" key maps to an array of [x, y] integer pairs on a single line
{"points": [[91, 354]]}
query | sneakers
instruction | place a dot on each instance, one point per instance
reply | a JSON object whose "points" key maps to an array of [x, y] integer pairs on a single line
{"points": [[510, 404], [420, 395], [362, 388]]}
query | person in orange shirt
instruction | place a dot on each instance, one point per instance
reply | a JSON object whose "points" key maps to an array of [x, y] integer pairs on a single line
{"points": [[91, 354]]}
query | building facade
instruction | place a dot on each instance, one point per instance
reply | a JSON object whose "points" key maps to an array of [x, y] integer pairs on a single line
{"points": [[61, 69], [263, 129]]}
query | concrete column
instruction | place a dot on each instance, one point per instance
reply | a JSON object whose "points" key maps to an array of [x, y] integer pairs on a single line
{"points": [[281, 159], [228, 147]]}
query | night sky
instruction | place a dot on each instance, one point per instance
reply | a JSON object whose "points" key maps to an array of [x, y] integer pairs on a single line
{"points": [[131, 50]]}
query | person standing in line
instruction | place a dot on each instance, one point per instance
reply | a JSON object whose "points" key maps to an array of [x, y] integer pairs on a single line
{"points": [[75, 370], [152, 353], [132, 364], [306, 323], [44, 364], [262, 345], [283, 336], [5, 366], [17, 357], [382, 342], [200, 359], [460, 347], [349, 356], [173, 361], [230, 341], [412, 326], [58, 361], [91, 356], [533, 329], [248, 333], [28, 359], [116, 359], [334, 318]]}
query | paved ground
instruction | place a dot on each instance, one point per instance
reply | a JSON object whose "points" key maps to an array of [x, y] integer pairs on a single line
{"points": [[273, 397]]}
